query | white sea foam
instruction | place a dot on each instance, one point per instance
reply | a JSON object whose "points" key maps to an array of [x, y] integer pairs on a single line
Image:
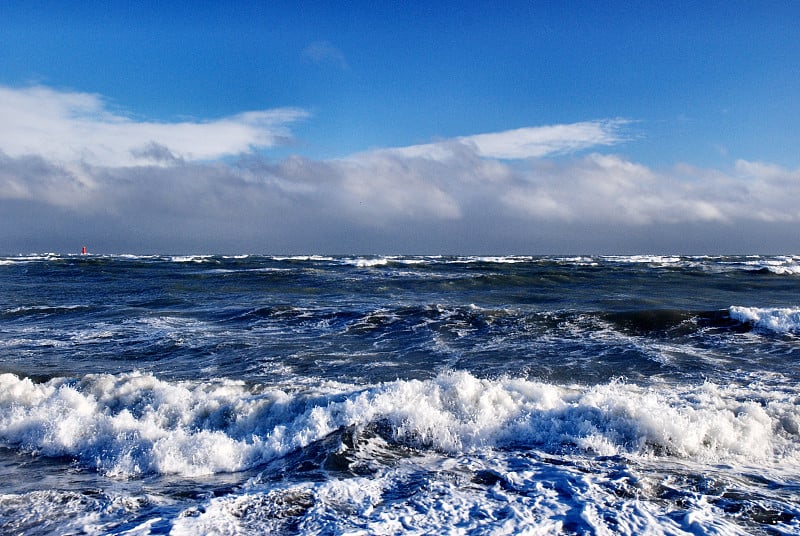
{"points": [[33, 309], [313, 258], [56, 512], [529, 498], [577, 261], [776, 264], [133, 423], [460, 428], [775, 319], [780, 265], [24, 259], [785, 270], [191, 258], [367, 262], [496, 259], [660, 260]]}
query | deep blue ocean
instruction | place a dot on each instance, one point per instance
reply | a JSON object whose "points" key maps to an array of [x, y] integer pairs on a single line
{"points": [[399, 395]]}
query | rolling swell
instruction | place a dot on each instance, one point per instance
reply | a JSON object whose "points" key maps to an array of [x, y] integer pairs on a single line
{"points": [[674, 322]]}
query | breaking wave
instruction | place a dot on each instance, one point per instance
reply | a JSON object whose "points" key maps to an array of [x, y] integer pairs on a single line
{"points": [[772, 319], [135, 424]]}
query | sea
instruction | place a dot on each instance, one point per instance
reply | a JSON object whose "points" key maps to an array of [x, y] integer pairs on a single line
{"points": [[360, 395]]}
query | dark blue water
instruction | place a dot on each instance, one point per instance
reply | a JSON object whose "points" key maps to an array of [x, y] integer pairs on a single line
{"points": [[383, 395]]}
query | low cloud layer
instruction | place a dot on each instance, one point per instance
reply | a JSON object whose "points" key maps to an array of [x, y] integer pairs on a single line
{"points": [[142, 187]]}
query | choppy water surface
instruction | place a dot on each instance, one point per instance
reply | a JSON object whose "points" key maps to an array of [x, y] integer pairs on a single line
{"points": [[387, 395]]}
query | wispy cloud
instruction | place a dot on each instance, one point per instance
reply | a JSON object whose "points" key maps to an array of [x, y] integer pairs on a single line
{"points": [[323, 52], [529, 142], [70, 126]]}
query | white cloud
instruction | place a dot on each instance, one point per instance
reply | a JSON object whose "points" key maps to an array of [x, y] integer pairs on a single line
{"points": [[456, 181], [167, 178], [453, 181], [69, 126], [529, 142]]}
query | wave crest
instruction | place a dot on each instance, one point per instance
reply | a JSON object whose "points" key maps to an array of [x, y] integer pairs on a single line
{"points": [[774, 319], [132, 424]]}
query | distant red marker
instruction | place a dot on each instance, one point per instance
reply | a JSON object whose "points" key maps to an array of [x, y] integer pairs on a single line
{"points": [[83, 250]]}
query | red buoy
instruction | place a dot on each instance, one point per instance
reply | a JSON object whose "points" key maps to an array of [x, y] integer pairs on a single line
{"points": [[83, 250]]}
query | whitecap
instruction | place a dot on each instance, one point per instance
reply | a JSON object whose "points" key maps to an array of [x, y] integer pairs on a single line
{"points": [[191, 258], [774, 319], [133, 423]]}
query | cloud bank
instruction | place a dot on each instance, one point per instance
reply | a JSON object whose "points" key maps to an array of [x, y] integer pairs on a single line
{"points": [[71, 170]]}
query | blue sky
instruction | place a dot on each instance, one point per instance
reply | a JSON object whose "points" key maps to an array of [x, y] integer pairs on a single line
{"points": [[526, 127]]}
